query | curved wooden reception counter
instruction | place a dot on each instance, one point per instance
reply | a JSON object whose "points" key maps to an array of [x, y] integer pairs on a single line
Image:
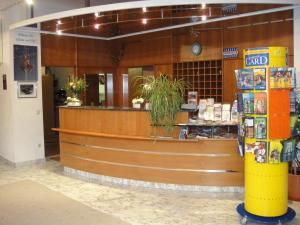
{"points": [[117, 143]]}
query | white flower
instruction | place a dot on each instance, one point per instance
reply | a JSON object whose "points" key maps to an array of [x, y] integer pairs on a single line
{"points": [[137, 100]]}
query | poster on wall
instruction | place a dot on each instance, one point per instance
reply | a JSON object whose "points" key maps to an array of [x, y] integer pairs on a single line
{"points": [[25, 63]]}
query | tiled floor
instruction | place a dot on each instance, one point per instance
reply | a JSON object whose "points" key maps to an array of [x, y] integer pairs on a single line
{"points": [[136, 205]]}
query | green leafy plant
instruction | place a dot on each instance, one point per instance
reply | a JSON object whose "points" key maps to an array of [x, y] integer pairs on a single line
{"points": [[165, 98], [75, 87]]}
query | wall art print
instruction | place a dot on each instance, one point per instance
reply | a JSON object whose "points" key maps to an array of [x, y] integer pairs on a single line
{"points": [[25, 63]]}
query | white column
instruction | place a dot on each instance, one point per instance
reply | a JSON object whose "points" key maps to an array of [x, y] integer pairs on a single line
{"points": [[297, 43]]}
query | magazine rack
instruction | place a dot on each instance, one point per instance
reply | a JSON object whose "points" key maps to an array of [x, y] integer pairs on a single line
{"points": [[266, 177]]}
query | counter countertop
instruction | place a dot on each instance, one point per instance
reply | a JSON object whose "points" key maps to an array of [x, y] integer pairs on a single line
{"points": [[104, 108], [112, 108]]}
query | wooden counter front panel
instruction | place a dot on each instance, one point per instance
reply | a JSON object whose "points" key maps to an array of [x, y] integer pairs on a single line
{"points": [[118, 122], [207, 162]]}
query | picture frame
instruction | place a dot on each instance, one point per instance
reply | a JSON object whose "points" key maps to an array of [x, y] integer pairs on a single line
{"points": [[25, 63], [27, 90]]}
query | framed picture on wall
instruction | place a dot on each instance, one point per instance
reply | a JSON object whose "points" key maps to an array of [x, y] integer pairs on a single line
{"points": [[27, 90], [25, 63]]}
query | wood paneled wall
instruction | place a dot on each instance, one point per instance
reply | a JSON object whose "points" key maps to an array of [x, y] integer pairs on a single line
{"points": [[162, 49]]}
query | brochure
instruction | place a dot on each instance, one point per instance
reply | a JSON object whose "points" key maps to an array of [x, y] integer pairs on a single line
{"points": [[260, 152], [282, 77], [226, 112], [202, 108], [275, 148], [249, 126], [260, 78], [293, 101], [192, 97], [260, 124], [260, 103], [240, 102], [248, 102], [244, 78], [288, 151], [217, 111]]}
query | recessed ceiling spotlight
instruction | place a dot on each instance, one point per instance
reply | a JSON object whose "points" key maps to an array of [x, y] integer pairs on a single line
{"points": [[144, 21], [29, 2], [59, 22], [144, 9], [204, 18], [97, 26], [203, 6], [97, 14], [59, 32]]}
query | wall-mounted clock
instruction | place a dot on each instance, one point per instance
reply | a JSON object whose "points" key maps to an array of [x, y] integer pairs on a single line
{"points": [[196, 48]]}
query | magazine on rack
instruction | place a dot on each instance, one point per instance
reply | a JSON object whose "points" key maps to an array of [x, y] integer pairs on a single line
{"points": [[248, 102], [249, 127], [260, 103], [244, 79], [260, 78], [260, 124], [275, 148], [241, 126], [260, 152], [288, 151], [293, 101], [240, 102]]}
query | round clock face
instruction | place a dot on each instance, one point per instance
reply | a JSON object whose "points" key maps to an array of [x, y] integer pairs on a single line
{"points": [[196, 48]]}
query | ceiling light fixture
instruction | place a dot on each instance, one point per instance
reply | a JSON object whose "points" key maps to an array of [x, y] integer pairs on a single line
{"points": [[59, 32], [144, 9], [203, 6], [97, 14], [204, 18], [97, 26], [29, 2], [144, 21]]}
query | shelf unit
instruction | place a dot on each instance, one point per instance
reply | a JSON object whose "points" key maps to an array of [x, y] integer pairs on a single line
{"points": [[212, 130], [205, 77]]}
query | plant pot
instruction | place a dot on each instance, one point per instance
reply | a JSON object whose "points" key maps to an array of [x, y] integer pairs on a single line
{"points": [[74, 103], [136, 106], [294, 187], [147, 106]]}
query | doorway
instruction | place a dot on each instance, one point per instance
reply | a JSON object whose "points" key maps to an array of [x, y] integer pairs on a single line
{"points": [[54, 80]]}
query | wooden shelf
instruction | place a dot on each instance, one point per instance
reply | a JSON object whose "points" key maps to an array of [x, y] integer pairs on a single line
{"points": [[205, 77]]}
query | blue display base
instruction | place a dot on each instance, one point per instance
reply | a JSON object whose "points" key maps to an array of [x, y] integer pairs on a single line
{"points": [[265, 220]]}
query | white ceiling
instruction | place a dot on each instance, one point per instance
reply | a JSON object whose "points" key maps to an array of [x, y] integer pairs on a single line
{"points": [[7, 3]]}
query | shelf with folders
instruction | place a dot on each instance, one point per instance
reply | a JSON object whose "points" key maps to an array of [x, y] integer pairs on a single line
{"points": [[204, 77]]}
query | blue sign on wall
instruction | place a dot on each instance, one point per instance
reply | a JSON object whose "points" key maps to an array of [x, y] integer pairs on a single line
{"points": [[230, 53], [260, 59]]}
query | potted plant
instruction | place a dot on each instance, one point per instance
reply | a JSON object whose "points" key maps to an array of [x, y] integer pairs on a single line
{"points": [[165, 98], [74, 89], [136, 102]]}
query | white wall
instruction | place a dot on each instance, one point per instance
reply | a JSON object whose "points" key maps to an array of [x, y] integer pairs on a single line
{"points": [[21, 120], [297, 43], [7, 142]]}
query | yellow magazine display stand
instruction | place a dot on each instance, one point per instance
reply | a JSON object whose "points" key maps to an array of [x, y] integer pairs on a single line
{"points": [[266, 177]]}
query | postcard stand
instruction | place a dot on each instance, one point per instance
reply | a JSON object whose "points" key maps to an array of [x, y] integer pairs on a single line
{"points": [[266, 183]]}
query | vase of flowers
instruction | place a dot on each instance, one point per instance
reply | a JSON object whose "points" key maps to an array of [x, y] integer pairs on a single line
{"points": [[74, 89], [136, 102]]}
